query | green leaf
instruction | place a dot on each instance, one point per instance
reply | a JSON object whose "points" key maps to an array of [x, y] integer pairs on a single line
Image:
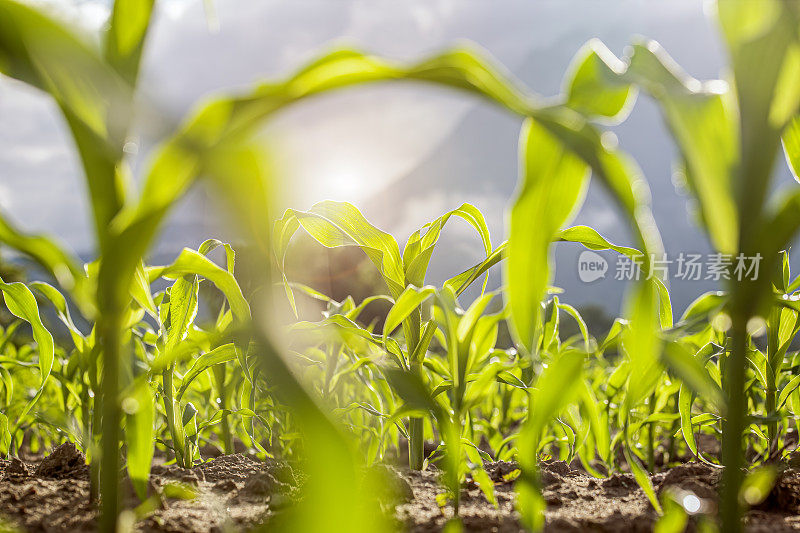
{"points": [[22, 304], [640, 474], [408, 301], [221, 354], [553, 184], [40, 52], [335, 224], [674, 519], [642, 344], [479, 474], [95, 101], [419, 248], [599, 428], [139, 434], [459, 283], [189, 419], [765, 61], [128, 25], [190, 263], [596, 87], [757, 485], [182, 310], [704, 128], [140, 291], [591, 239], [791, 146], [691, 370], [5, 435], [780, 228], [557, 386], [789, 388], [64, 267], [685, 401], [62, 309]]}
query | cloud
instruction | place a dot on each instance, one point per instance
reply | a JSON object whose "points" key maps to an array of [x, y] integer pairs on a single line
{"points": [[348, 144], [5, 198]]}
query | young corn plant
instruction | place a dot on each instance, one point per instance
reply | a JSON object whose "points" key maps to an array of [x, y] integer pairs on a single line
{"points": [[334, 224], [464, 380], [176, 313], [743, 120], [21, 303]]}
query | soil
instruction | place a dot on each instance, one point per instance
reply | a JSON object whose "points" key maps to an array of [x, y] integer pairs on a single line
{"points": [[234, 492]]}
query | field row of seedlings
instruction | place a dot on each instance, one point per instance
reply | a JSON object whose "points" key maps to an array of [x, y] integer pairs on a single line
{"points": [[151, 371]]}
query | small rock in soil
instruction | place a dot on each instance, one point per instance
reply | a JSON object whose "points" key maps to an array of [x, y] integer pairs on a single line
{"points": [[189, 476], [193, 477], [66, 461]]}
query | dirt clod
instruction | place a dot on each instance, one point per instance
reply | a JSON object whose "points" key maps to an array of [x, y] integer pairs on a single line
{"points": [[501, 471], [785, 494], [237, 467], [16, 468], [620, 483], [65, 461], [556, 467], [261, 484]]}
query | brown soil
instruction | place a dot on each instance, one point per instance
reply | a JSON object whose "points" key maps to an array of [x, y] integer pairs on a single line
{"points": [[237, 491]]}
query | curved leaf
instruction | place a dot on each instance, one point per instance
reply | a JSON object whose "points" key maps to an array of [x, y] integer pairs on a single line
{"points": [[21, 303]]}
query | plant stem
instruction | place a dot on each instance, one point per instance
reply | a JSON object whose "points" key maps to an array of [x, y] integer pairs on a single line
{"points": [[772, 426], [775, 363], [416, 425], [110, 337], [416, 444], [651, 451], [733, 426], [91, 417], [673, 429], [225, 424], [169, 410]]}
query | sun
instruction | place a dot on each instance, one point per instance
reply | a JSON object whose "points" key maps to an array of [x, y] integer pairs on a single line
{"points": [[342, 182]]}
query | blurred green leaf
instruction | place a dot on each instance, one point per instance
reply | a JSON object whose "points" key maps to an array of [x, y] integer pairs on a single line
{"points": [[705, 130], [553, 185], [139, 434], [596, 87]]}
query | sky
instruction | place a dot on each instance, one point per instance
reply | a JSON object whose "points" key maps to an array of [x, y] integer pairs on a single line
{"points": [[404, 153]]}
